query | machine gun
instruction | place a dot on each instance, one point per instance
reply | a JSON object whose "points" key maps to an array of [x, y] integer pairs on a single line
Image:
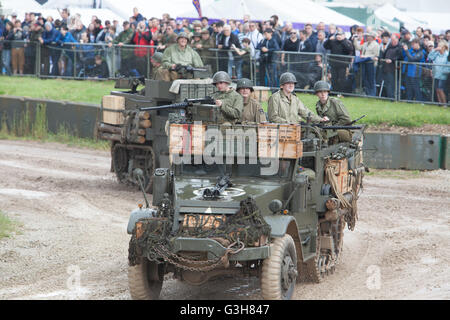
{"points": [[327, 127], [184, 113], [182, 105], [189, 72], [223, 182]]}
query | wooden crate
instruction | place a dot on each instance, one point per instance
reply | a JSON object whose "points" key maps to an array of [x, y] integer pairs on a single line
{"points": [[115, 104], [279, 140], [187, 139], [261, 94]]}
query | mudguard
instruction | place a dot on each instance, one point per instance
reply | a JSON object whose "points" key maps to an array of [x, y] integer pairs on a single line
{"points": [[279, 224], [139, 214]]}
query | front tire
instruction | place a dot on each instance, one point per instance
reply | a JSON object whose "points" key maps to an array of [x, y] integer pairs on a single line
{"points": [[145, 280], [279, 271]]}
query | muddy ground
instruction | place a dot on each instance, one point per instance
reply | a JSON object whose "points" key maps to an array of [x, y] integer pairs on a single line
{"points": [[72, 242]]}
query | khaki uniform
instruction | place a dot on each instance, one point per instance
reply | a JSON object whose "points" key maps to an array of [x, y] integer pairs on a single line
{"points": [[335, 110], [282, 109], [161, 73], [253, 112], [232, 105]]}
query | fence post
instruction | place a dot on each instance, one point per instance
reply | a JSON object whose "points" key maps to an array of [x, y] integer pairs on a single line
{"points": [[38, 59], [396, 81], [75, 75], [432, 90], [399, 92]]}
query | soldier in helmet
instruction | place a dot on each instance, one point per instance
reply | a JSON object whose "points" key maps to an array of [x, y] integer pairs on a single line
{"points": [[158, 71], [182, 54], [285, 106], [252, 111], [333, 110], [227, 99]]}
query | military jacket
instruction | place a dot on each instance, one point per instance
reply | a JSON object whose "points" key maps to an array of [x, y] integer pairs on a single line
{"points": [[281, 109], [232, 105], [253, 112], [335, 110], [187, 57]]}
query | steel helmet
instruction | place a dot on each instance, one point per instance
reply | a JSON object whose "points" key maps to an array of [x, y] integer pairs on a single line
{"points": [[244, 83], [321, 86], [221, 76], [157, 57], [286, 78], [183, 35]]}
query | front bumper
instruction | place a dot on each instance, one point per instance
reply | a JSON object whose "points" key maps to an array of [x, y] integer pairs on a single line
{"points": [[215, 250]]}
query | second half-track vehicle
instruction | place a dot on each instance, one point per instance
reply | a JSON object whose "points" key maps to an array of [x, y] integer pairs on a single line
{"points": [[265, 200]]}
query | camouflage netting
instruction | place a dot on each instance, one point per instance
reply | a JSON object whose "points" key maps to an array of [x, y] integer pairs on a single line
{"points": [[246, 227]]}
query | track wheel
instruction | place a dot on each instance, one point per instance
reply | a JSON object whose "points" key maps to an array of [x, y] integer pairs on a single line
{"points": [[145, 280], [279, 271]]}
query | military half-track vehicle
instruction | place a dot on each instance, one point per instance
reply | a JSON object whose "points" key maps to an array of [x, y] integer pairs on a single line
{"points": [[138, 138], [264, 200]]}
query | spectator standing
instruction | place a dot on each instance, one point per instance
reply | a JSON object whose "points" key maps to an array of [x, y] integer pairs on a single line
{"points": [[321, 38], [227, 55], [49, 53], [137, 16], [205, 25], [141, 37], [168, 38], [8, 36], [65, 40], [99, 69], [203, 47], [243, 64], [34, 36], [369, 55], [255, 38], [124, 38], [389, 57], [412, 70], [267, 64], [291, 44], [439, 56], [17, 49], [339, 46], [406, 38]]}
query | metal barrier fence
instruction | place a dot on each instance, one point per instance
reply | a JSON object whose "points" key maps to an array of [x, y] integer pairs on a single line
{"points": [[348, 75], [423, 82]]}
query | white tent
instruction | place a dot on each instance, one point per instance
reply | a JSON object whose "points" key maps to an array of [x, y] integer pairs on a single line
{"points": [[19, 7], [391, 15], [86, 14], [152, 8], [437, 22], [296, 11]]}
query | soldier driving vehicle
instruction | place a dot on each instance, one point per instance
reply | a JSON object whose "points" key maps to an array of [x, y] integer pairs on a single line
{"points": [[285, 107], [252, 111]]}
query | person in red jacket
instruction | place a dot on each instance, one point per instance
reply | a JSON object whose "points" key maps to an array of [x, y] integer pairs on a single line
{"points": [[142, 37]]}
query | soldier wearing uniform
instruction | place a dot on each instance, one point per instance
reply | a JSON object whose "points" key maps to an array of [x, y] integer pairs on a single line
{"points": [[284, 105], [252, 111], [333, 110], [182, 54], [158, 71], [227, 99]]}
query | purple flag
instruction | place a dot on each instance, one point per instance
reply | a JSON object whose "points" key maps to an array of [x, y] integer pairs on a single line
{"points": [[196, 4]]}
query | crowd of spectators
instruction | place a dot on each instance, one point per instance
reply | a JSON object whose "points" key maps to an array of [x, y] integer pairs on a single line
{"points": [[364, 59]]}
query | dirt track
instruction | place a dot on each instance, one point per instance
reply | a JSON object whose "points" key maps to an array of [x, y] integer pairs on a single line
{"points": [[74, 216]]}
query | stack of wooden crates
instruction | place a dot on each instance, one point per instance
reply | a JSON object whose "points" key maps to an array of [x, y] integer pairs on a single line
{"points": [[279, 141]]}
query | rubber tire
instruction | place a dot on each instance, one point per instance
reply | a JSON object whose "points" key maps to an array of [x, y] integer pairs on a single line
{"points": [[140, 286], [271, 287]]}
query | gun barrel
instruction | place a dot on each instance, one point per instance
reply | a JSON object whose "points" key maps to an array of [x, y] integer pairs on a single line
{"points": [[180, 105]]}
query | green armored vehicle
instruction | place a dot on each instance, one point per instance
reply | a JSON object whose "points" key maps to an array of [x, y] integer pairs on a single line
{"points": [[266, 200], [138, 138]]}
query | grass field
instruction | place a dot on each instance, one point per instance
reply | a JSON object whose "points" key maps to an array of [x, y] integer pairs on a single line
{"points": [[378, 111]]}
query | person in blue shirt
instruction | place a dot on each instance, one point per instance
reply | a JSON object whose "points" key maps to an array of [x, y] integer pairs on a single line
{"points": [[441, 69], [65, 40], [413, 71], [267, 64], [49, 51]]}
